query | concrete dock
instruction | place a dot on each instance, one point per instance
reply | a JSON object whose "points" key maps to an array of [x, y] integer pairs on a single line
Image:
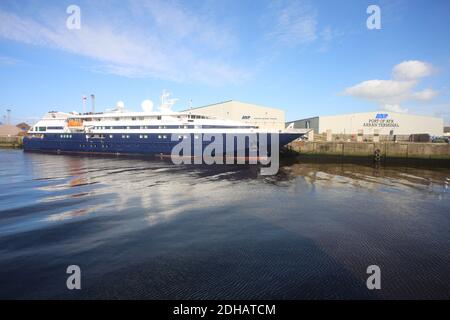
{"points": [[380, 150], [11, 142]]}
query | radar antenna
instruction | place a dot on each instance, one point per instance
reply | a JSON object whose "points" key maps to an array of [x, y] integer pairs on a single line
{"points": [[166, 102]]}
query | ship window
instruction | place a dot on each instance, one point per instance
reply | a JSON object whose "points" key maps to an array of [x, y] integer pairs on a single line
{"points": [[158, 117], [164, 137], [140, 136], [117, 119], [196, 136], [42, 128], [141, 118], [159, 136], [133, 118], [111, 136]]}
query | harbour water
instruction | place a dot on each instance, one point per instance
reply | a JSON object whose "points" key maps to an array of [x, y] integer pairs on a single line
{"points": [[144, 228]]}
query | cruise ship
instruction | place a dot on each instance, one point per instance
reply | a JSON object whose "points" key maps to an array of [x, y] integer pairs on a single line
{"points": [[148, 132]]}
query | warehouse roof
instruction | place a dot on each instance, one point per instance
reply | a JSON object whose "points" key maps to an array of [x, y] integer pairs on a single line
{"points": [[208, 105], [9, 130], [227, 101]]}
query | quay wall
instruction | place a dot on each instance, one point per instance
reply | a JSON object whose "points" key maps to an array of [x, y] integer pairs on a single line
{"points": [[386, 150], [11, 142]]}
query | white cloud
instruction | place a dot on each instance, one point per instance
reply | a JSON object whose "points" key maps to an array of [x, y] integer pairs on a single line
{"points": [[292, 24], [182, 24], [394, 108], [327, 35], [381, 90], [4, 60], [425, 95], [412, 70], [134, 50], [391, 93]]}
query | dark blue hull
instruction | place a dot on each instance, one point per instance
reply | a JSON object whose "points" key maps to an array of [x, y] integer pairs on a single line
{"points": [[153, 144]]}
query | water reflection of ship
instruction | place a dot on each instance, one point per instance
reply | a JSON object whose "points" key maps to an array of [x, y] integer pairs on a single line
{"points": [[106, 184]]}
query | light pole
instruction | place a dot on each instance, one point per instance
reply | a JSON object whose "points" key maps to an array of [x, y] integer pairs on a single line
{"points": [[8, 116]]}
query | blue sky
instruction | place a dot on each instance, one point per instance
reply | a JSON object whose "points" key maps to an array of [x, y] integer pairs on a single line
{"points": [[306, 57]]}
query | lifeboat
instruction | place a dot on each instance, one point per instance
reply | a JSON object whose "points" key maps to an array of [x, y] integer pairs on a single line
{"points": [[74, 123]]}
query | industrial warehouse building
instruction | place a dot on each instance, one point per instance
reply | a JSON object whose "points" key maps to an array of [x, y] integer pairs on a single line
{"points": [[368, 123], [263, 117]]}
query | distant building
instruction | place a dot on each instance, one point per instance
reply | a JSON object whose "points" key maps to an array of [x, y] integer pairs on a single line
{"points": [[447, 131], [261, 116], [23, 127], [8, 130], [383, 122]]}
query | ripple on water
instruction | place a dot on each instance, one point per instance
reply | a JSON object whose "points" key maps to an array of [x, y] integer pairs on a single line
{"points": [[144, 228]]}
